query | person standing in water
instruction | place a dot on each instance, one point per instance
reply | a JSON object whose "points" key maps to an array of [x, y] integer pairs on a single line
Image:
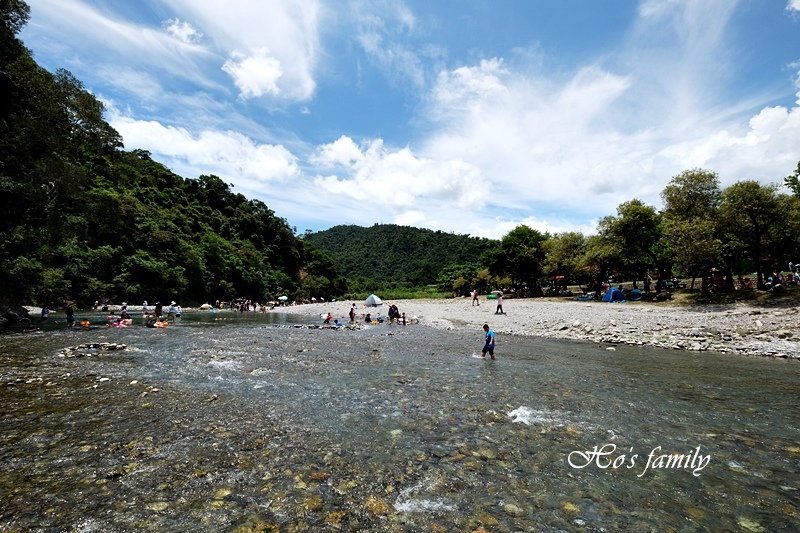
{"points": [[69, 311], [488, 343]]}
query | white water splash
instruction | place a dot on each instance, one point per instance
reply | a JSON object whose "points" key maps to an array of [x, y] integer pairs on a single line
{"points": [[526, 415], [226, 365], [407, 504]]}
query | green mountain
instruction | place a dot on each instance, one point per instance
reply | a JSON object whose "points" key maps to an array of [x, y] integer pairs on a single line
{"points": [[389, 254]]}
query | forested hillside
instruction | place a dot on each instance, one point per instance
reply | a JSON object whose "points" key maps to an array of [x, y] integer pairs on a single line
{"points": [[84, 220], [386, 253]]}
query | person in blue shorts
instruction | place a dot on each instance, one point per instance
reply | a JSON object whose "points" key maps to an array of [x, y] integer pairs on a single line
{"points": [[488, 345]]}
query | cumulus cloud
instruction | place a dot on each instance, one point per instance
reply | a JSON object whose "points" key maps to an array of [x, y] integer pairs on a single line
{"points": [[342, 152], [272, 46], [793, 5], [574, 147], [537, 143], [465, 86], [256, 74], [762, 150], [397, 179], [228, 154], [182, 30]]}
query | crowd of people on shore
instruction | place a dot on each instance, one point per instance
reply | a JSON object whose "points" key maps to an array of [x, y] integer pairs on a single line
{"points": [[393, 316]]}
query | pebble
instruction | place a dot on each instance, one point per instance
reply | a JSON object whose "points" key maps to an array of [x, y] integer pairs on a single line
{"points": [[749, 524], [377, 506], [513, 510]]}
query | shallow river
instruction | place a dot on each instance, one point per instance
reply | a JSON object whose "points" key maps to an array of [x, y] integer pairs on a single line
{"points": [[220, 423]]}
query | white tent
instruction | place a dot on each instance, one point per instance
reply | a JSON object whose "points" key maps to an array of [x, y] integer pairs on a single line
{"points": [[373, 301]]}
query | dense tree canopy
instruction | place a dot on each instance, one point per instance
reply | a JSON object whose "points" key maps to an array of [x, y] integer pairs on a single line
{"points": [[564, 254], [85, 220], [390, 255], [750, 212], [691, 230], [636, 233], [520, 256]]}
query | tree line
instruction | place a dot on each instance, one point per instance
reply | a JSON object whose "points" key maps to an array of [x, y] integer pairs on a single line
{"points": [[744, 228], [84, 220], [702, 229]]}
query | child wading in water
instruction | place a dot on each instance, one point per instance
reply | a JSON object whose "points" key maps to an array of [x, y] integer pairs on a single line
{"points": [[488, 344]]}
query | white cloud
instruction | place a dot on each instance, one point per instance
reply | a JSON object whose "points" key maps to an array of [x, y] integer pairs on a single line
{"points": [[103, 42], [341, 152], [228, 154], [255, 75], [142, 84], [465, 86], [536, 142], [236, 34], [575, 148], [272, 46], [766, 149], [182, 30], [382, 30], [793, 5], [397, 179]]}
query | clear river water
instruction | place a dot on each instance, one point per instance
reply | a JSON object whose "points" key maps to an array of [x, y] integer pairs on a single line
{"points": [[228, 423]]}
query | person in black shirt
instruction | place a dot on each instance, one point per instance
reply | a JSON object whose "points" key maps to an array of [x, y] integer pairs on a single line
{"points": [[69, 310]]}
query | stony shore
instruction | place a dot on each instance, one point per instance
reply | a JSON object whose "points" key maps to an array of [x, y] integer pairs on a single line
{"points": [[741, 329]]}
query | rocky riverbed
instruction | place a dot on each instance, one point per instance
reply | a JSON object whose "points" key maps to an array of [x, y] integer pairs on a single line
{"points": [[239, 425], [742, 329]]}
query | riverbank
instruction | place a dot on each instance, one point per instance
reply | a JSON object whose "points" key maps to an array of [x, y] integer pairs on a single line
{"points": [[734, 328]]}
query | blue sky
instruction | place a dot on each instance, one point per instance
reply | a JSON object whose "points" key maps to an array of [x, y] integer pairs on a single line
{"points": [[468, 116]]}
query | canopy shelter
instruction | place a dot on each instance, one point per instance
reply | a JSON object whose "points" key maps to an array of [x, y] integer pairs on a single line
{"points": [[373, 301]]}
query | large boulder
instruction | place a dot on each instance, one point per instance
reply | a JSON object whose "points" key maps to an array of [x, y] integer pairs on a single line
{"points": [[13, 316]]}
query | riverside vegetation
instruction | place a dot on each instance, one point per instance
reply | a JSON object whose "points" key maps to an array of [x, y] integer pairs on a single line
{"points": [[85, 220]]}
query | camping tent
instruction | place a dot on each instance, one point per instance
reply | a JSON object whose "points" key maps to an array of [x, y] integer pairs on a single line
{"points": [[373, 301], [634, 295], [613, 295]]}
